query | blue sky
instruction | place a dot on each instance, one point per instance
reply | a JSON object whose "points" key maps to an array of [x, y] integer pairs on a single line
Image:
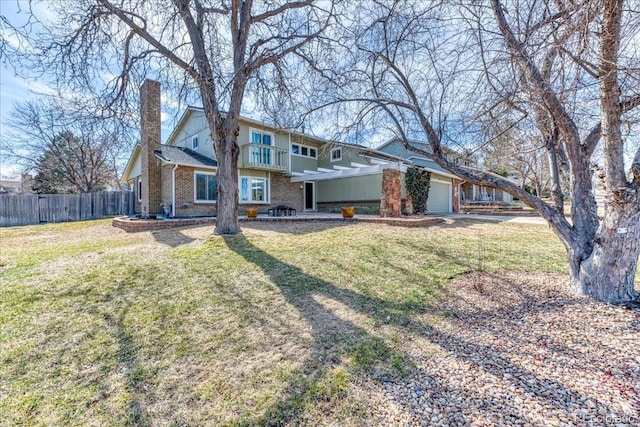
{"points": [[15, 88], [12, 87]]}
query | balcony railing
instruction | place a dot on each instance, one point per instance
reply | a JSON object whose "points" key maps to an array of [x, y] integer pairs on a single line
{"points": [[265, 157]]}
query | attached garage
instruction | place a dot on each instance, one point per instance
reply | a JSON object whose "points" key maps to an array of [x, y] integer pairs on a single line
{"points": [[439, 200]]}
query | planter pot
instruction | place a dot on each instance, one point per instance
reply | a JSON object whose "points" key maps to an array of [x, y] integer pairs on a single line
{"points": [[348, 212], [252, 213]]}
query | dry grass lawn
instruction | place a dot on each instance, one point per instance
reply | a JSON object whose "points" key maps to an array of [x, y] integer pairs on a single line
{"points": [[297, 324]]}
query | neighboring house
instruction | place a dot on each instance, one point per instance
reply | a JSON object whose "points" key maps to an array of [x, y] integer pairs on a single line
{"points": [[276, 167], [12, 187], [9, 187], [444, 185]]}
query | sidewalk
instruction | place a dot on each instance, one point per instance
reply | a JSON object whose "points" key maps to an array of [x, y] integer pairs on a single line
{"points": [[500, 218]]}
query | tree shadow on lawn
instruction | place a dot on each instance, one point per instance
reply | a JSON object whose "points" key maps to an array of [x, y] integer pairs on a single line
{"points": [[127, 354], [296, 227], [306, 227], [336, 338], [172, 237]]}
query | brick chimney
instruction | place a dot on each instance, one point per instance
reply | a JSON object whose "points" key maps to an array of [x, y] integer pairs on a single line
{"points": [[150, 141]]}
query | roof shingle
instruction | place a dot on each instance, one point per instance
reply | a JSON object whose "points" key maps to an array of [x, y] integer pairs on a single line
{"points": [[184, 157]]}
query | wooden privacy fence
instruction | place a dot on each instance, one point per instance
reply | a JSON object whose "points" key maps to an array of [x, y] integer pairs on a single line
{"points": [[36, 208]]}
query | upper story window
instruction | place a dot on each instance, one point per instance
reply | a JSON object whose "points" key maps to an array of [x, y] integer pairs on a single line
{"points": [[303, 150], [336, 154], [458, 160], [194, 142], [260, 137], [206, 187]]}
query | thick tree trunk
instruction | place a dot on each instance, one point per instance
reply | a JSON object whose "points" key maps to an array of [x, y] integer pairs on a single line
{"points": [[607, 274], [227, 175]]}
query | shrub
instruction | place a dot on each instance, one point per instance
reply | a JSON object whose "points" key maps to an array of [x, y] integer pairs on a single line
{"points": [[418, 182]]}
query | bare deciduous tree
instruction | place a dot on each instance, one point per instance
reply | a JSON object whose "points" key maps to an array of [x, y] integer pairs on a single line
{"points": [[520, 156], [214, 48], [437, 71], [69, 147]]}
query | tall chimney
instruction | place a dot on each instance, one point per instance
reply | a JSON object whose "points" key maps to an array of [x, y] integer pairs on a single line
{"points": [[150, 141]]}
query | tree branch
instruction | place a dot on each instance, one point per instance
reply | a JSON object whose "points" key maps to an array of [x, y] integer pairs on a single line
{"points": [[541, 88], [279, 10], [162, 49]]}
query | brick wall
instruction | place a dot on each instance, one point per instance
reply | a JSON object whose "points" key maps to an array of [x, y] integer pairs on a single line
{"points": [[285, 192], [391, 200], [185, 196], [150, 141], [138, 225], [166, 184]]}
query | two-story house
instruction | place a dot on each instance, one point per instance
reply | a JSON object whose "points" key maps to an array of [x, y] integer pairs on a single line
{"points": [[276, 167]]}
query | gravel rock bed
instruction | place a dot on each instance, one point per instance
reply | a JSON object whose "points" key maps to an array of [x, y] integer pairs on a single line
{"points": [[518, 349]]}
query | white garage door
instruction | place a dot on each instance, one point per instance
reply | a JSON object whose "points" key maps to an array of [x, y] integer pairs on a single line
{"points": [[439, 197]]}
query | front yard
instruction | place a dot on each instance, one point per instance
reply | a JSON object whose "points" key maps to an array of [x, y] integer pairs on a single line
{"points": [[467, 323]]}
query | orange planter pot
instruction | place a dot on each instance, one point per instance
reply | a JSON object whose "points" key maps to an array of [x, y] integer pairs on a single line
{"points": [[252, 213], [348, 212]]}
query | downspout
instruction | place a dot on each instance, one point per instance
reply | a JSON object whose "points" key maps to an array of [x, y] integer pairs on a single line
{"points": [[173, 190]]}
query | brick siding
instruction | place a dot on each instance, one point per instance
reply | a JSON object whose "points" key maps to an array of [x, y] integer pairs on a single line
{"points": [[137, 225], [185, 193], [150, 141], [283, 192]]}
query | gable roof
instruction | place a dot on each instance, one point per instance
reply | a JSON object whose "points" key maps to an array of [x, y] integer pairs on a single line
{"points": [[184, 157], [395, 146], [422, 145], [181, 121], [430, 165], [132, 159]]}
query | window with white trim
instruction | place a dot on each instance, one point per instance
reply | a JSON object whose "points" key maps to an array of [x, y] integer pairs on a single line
{"points": [[336, 154], [254, 190], [194, 142], [304, 151], [261, 154], [139, 189], [205, 187], [261, 137]]}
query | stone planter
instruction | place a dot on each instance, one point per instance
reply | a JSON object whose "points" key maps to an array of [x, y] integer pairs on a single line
{"points": [[252, 213], [347, 212]]}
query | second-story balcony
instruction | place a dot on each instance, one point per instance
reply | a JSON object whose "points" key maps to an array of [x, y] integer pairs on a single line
{"points": [[264, 157]]}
